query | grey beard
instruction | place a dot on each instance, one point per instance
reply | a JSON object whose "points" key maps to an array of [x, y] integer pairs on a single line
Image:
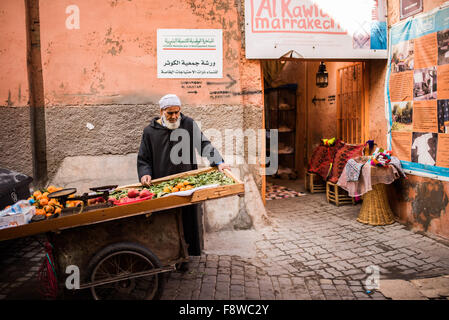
{"points": [[169, 125]]}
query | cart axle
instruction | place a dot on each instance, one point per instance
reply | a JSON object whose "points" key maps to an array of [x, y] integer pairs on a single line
{"points": [[128, 276]]}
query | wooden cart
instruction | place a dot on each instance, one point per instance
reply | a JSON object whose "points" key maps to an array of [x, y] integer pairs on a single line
{"points": [[121, 252]]}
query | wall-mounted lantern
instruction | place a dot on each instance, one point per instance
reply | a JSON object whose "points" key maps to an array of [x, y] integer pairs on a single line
{"points": [[322, 76]]}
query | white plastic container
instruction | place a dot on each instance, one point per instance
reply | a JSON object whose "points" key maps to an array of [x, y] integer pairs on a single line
{"points": [[18, 214]]}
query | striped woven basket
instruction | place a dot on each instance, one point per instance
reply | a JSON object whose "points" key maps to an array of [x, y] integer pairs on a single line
{"points": [[375, 209]]}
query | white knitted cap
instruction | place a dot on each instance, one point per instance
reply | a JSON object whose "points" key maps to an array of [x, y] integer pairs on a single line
{"points": [[169, 100]]}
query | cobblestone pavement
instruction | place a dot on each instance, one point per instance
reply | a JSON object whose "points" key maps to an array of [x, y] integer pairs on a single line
{"points": [[311, 251]]}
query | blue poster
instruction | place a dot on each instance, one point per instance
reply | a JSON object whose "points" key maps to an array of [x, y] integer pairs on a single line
{"points": [[417, 93]]}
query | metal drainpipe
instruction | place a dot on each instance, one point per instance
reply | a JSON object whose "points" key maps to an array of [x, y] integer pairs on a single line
{"points": [[36, 89]]}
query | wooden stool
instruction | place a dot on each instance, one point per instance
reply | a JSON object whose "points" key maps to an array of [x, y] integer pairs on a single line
{"points": [[375, 209], [337, 195], [314, 183]]}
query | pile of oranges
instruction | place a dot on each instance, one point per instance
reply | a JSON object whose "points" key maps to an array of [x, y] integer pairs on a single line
{"points": [[181, 186], [46, 206]]}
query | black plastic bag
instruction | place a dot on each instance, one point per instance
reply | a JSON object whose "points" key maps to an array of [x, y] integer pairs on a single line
{"points": [[14, 186]]}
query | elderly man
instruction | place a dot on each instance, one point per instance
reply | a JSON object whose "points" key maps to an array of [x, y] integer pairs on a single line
{"points": [[159, 156]]}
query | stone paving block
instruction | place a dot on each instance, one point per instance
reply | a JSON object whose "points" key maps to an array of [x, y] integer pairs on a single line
{"points": [[325, 281], [400, 290], [237, 271], [340, 282], [333, 272], [340, 265], [223, 270], [251, 284], [328, 286], [209, 279], [317, 295], [207, 292], [407, 263], [267, 296], [285, 282], [324, 274], [224, 278], [211, 271], [184, 296], [360, 295], [235, 281], [252, 293], [331, 295], [330, 260], [415, 261]]}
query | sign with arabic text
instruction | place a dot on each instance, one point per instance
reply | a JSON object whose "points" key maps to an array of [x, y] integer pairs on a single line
{"points": [[189, 53]]}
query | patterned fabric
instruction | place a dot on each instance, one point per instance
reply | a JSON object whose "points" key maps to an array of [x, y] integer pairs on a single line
{"points": [[348, 151], [353, 170], [275, 192], [322, 157]]}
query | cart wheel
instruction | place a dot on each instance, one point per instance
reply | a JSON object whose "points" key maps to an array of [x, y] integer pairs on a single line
{"points": [[121, 258]]}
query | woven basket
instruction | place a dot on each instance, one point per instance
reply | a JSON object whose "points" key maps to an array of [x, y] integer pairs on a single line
{"points": [[375, 209]]}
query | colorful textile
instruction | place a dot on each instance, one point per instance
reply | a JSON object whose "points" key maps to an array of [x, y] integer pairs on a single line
{"points": [[275, 192], [328, 142], [322, 157], [380, 158], [397, 164], [370, 176], [348, 151], [353, 170]]}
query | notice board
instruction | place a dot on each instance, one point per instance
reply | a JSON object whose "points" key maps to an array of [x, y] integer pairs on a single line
{"points": [[417, 93], [325, 29]]}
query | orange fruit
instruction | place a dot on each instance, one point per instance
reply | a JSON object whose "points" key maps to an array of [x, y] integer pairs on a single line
{"points": [[38, 197], [166, 189], [175, 189], [189, 187], [51, 189], [40, 211], [45, 194], [186, 183], [58, 210], [43, 201], [53, 202], [48, 215], [49, 209], [182, 189], [36, 193]]}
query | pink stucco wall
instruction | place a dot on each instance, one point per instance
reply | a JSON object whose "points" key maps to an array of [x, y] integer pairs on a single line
{"points": [[111, 58], [13, 54]]}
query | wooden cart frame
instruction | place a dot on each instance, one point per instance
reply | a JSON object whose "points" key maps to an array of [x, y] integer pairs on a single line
{"points": [[151, 237]]}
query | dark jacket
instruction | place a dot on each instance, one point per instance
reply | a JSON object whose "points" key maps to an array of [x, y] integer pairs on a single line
{"points": [[155, 148]]}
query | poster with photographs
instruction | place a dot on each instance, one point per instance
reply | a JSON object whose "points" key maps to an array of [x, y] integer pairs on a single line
{"points": [[418, 93]]}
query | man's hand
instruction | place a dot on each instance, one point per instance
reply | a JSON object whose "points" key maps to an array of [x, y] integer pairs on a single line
{"points": [[145, 180], [223, 166]]}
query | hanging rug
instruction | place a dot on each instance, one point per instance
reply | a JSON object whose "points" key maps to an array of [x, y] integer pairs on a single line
{"points": [[275, 192]]}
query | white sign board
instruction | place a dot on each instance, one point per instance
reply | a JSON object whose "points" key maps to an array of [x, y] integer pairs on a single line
{"points": [[189, 53], [316, 29]]}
